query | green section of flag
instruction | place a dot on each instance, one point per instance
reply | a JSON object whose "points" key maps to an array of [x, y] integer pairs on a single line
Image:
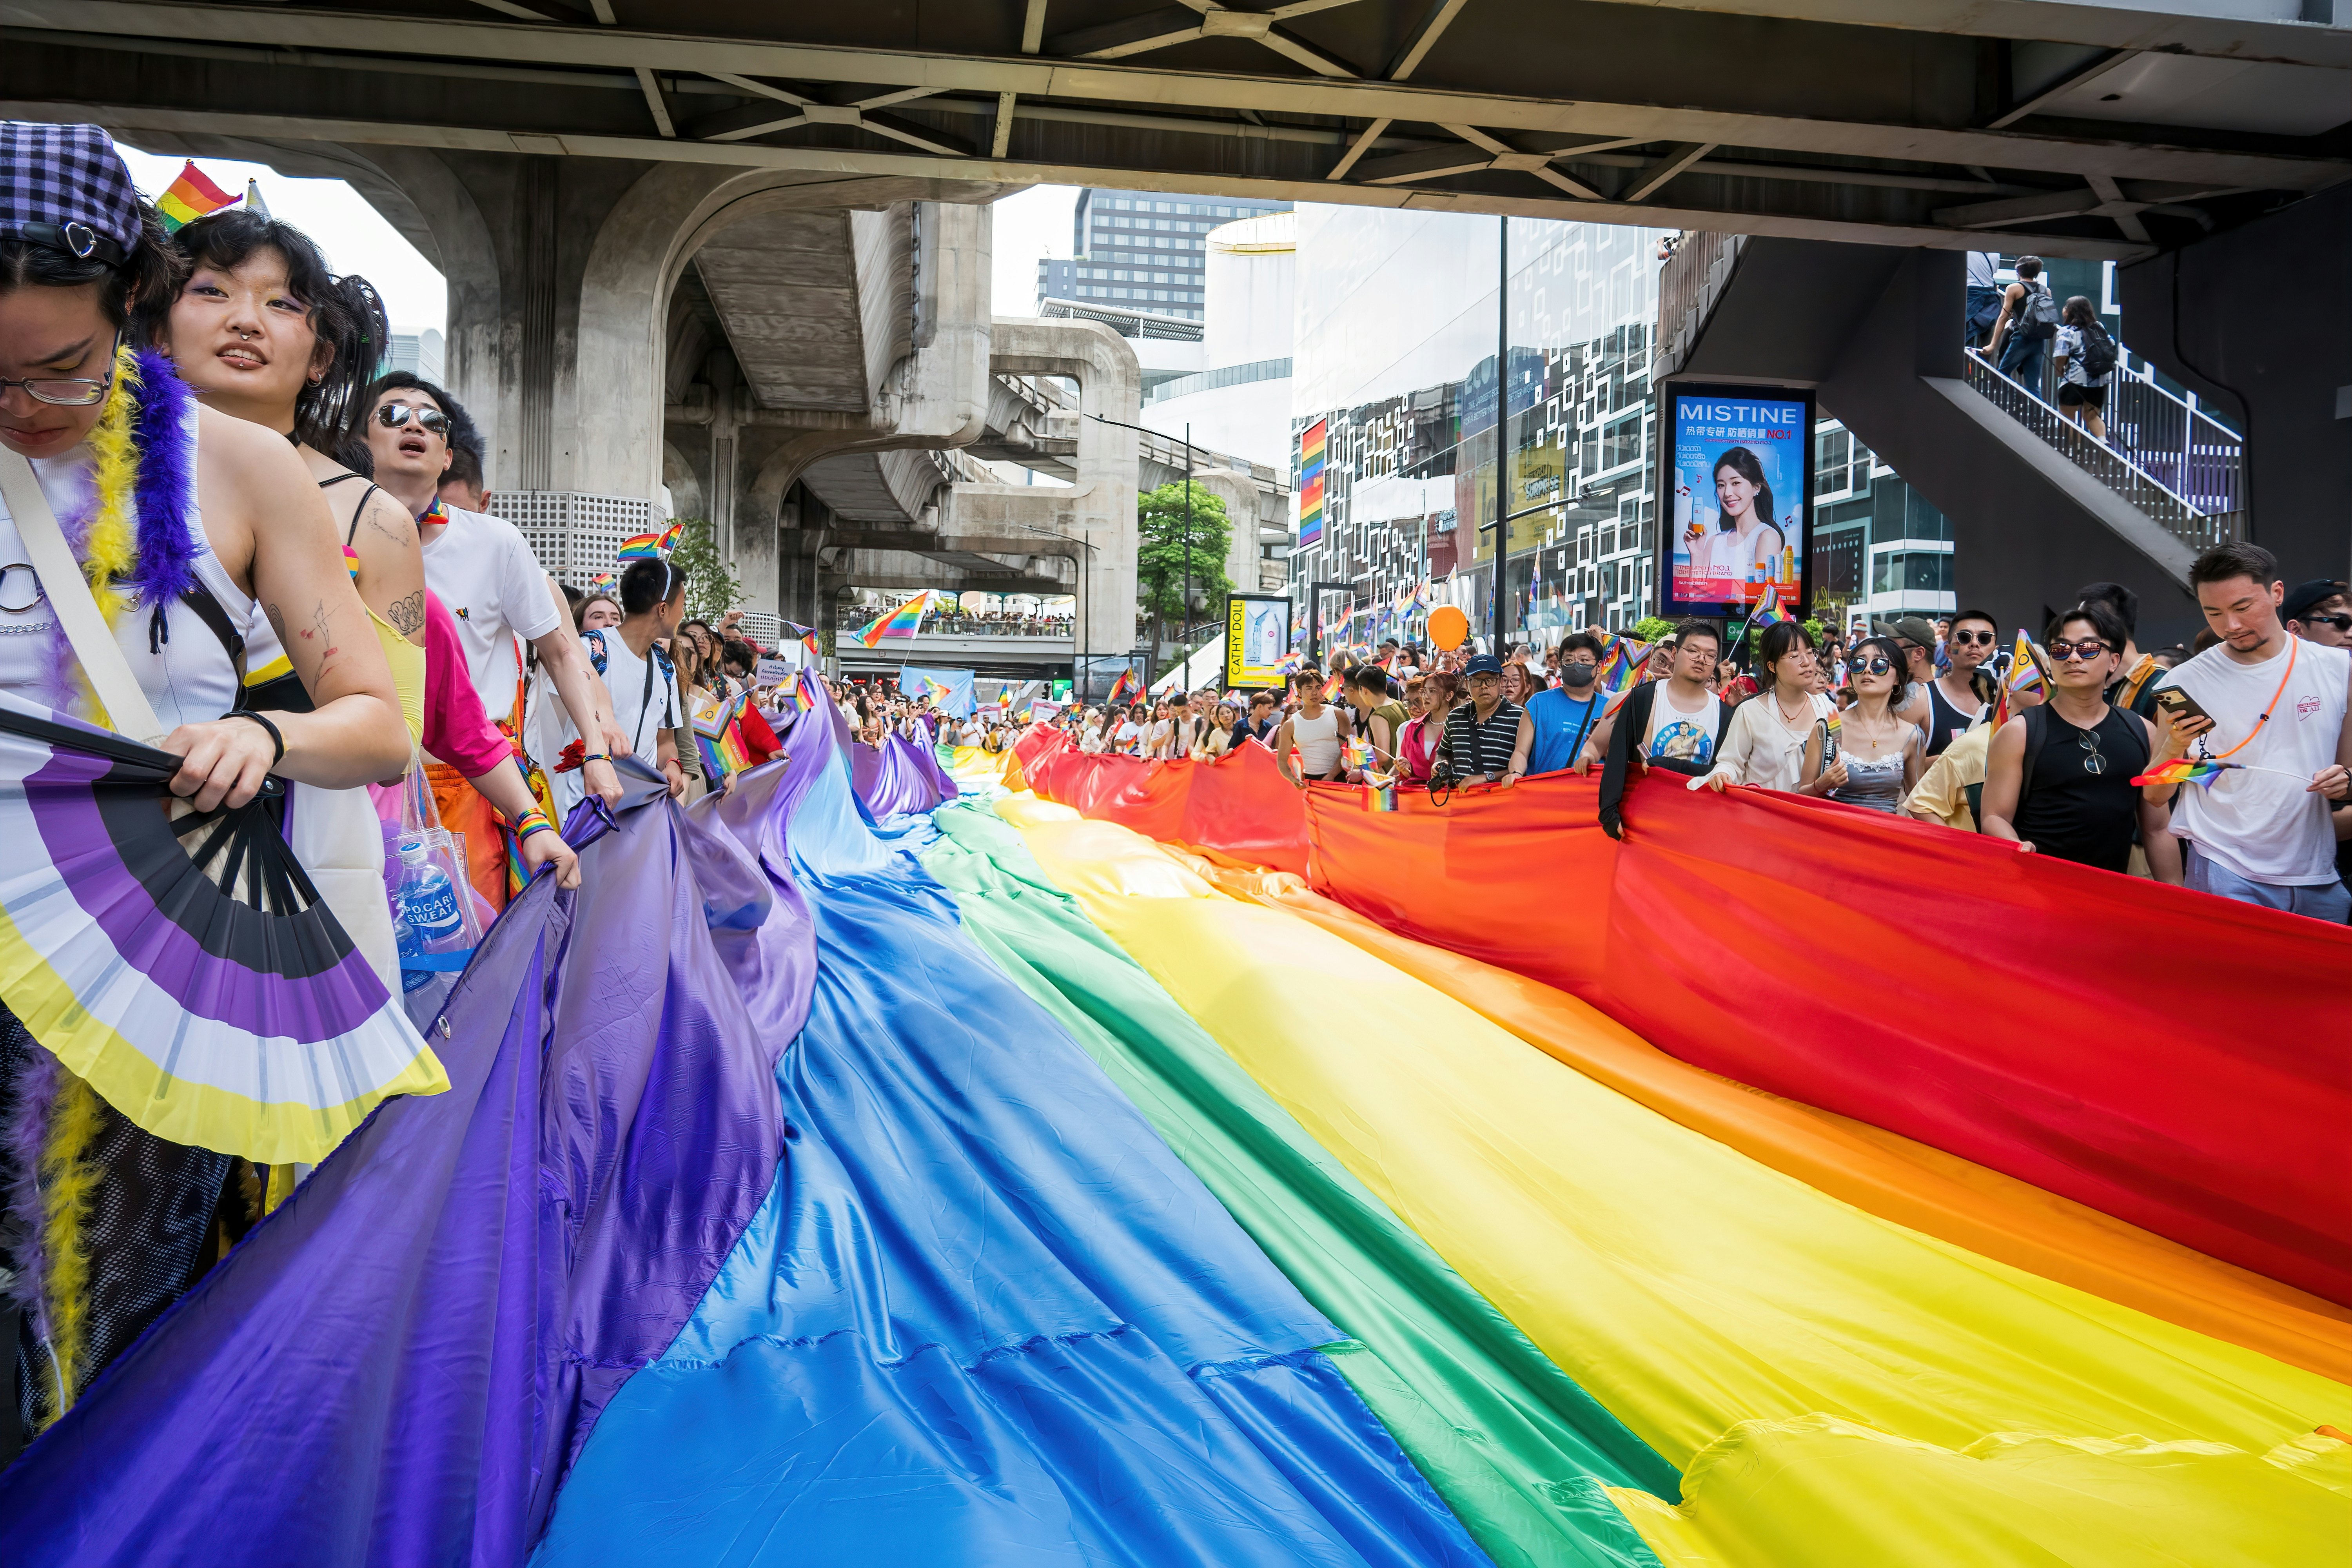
{"points": [[1513, 1444]]}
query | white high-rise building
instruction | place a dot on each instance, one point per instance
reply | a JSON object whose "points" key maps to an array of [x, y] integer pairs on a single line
{"points": [[1239, 400]]}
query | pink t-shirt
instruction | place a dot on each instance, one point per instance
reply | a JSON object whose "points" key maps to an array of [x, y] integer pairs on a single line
{"points": [[457, 730]]}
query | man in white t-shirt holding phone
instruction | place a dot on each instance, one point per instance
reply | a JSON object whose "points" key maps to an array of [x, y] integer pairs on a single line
{"points": [[2275, 708]]}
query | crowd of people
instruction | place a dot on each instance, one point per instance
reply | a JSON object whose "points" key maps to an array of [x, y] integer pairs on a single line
{"points": [[1953, 720]]}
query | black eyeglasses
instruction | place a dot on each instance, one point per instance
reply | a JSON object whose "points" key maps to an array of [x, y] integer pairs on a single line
{"points": [[1984, 637], [2087, 650], [393, 415], [69, 391]]}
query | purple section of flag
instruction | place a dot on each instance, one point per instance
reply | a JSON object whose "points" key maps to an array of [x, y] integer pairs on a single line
{"points": [[898, 776], [398, 1365], [74, 836]]}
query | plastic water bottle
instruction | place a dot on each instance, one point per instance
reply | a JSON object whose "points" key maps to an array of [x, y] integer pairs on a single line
{"points": [[428, 919]]}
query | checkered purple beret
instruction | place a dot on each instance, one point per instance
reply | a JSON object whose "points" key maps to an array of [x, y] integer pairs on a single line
{"points": [[64, 184]]}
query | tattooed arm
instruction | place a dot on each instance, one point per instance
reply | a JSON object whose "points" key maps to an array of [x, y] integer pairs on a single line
{"points": [[392, 563], [270, 526]]}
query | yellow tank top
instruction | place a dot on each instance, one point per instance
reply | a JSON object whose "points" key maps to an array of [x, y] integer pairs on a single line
{"points": [[407, 662]]}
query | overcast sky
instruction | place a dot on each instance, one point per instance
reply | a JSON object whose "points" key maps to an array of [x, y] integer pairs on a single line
{"points": [[333, 214], [1032, 223]]}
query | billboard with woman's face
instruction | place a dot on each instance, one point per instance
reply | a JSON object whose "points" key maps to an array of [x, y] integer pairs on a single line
{"points": [[1738, 493]]}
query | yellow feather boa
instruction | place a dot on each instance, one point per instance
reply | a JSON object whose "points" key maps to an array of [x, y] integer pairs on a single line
{"points": [[110, 547]]}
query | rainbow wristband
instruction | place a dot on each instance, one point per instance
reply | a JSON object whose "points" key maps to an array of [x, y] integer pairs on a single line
{"points": [[534, 823]]}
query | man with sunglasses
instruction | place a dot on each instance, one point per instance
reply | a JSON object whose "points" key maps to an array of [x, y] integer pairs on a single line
{"points": [[2274, 708], [482, 569], [2058, 782], [2318, 612], [1958, 699]]}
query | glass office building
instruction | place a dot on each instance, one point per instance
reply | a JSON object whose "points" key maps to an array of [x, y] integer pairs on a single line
{"points": [[1143, 250], [1399, 335]]}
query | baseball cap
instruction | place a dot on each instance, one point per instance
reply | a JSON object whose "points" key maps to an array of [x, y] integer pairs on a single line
{"points": [[2305, 598], [1483, 664], [1910, 629]]}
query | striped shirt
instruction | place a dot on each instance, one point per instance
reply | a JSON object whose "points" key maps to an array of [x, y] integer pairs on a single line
{"points": [[1473, 747]]}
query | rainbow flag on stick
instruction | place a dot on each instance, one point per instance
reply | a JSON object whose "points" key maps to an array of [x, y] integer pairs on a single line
{"points": [[807, 636], [190, 197], [1124, 688], [650, 546], [2185, 769], [903, 622], [808, 695]]}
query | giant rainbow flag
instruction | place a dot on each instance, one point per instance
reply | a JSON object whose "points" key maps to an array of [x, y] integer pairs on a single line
{"points": [[954, 1157]]}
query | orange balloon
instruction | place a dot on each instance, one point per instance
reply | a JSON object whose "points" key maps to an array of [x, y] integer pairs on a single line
{"points": [[1448, 625]]}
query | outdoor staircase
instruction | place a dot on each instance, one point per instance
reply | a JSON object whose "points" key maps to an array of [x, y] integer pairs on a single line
{"points": [[2037, 505]]}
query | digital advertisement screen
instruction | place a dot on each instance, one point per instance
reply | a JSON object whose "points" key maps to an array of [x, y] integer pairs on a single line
{"points": [[1257, 639], [1737, 487]]}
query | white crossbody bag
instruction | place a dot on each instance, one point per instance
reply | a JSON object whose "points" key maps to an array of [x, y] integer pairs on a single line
{"points": [[76, 607]]}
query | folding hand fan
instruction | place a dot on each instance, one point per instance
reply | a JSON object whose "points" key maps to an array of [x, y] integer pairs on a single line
{"points": [[183, 966]]}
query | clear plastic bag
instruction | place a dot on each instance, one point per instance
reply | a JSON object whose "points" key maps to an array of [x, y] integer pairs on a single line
{"points": [[438, 918]]}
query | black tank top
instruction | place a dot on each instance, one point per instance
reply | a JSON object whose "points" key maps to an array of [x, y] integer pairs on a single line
{"points": [[2072, 811], [1946, 723]]}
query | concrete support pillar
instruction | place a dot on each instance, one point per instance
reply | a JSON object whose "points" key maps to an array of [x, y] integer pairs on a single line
{"points": [[1092, 521]]}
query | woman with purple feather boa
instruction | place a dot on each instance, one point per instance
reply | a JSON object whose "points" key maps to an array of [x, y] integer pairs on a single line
{"points": [[222, 526]]}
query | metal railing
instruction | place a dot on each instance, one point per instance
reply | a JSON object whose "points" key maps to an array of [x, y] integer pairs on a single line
{"points": [[953, 626], [2148, 452], [1687, 286]]}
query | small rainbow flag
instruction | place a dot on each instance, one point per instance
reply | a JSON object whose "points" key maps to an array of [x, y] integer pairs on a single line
{"points": [[1380, 796], [602, 583], [903, 622], [719, 739], [1359, 754], [2186, 770], [1334, 686], [190, 197], [1125, 687], [1769, 613], [650, 546], [807, 636], [808, 695]]}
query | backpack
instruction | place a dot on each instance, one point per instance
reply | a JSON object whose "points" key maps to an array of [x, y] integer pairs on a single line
{"points": [[2037, 311], [2098, 353]]}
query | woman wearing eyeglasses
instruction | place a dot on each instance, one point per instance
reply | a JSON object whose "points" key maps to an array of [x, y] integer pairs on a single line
{"points": [[1883, 754], [2059, 780]]}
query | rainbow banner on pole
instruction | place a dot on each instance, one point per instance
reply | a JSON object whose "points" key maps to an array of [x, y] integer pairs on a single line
{"points": [[903, 622], [1310, 484], [190, 197]]}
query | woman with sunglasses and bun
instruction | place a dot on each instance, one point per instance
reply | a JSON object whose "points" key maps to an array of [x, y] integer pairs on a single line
{"points": [[2058, 781], [1881, 754]]}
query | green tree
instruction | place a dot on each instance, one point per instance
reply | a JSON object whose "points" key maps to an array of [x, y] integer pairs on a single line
{"points": [[711, 586], [1159, 560], [1649, 628]]}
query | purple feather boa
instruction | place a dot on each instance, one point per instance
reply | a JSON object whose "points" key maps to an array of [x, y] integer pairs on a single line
{"points": [[167, 484], [22, 1214], [164, 564]]}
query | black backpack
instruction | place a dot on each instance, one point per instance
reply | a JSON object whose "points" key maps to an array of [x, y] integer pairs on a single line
{"points": [[2037, 313], [2098, 352]]}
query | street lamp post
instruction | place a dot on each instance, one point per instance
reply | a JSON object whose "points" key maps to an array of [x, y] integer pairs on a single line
{"points": [[1185, 635]]}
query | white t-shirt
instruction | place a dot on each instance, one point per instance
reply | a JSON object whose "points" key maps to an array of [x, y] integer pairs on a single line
{"points": [[481, 568], [2264, 827], [645, 703], [1676, 736]]}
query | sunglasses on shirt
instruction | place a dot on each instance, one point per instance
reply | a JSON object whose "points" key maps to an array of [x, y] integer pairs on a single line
{"points": [[393, 415]]}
